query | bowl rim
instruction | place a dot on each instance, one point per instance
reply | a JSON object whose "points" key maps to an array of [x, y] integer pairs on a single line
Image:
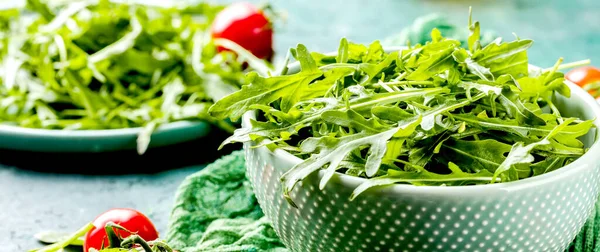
{"points": [[575, 167]]}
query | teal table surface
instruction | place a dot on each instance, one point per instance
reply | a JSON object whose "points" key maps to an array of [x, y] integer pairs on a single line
{"points": [[62, 192]]}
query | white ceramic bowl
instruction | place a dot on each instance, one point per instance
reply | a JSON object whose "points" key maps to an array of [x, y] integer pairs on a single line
{"points": [[543, 213]]}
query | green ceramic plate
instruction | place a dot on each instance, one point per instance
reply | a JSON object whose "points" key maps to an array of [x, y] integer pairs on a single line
{"points": [[45, 140]]}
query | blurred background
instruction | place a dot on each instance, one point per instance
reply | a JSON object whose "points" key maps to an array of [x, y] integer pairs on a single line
{"points": [[37, 199], [559, 28]]}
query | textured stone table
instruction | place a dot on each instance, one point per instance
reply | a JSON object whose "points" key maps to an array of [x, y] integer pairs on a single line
{"points": [[40, 192]]}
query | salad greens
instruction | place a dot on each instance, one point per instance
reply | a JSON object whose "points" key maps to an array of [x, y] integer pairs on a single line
{"points": [[439, 113], [107, 65]]}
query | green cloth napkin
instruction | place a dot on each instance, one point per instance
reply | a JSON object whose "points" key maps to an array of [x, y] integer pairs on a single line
{"points": [[215, 210]]}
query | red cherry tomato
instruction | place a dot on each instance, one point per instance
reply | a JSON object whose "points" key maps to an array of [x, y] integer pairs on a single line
{"points": [[247, 26], [584, 77], [130, 219]]}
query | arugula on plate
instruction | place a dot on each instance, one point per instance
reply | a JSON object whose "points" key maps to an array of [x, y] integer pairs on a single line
{"points": [[108, 65], [439, 113]]}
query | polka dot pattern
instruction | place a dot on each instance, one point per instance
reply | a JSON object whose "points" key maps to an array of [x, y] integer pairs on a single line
{"points": [[540, 217]]}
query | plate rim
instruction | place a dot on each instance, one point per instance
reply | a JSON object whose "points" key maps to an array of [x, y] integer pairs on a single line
{"points": [[70, 133]]}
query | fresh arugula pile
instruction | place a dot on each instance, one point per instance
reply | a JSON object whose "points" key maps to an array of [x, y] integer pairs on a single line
{"points": [[432, 114], [106, 65]]}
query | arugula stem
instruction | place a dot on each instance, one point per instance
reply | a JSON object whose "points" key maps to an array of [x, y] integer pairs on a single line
{"points": [[421, 106], [284, 66], [569, 65], [125, 99], [401, 76], [114, 240], [555, 111], [420, 168], [553, 70], [546, 79], [464, 134], [266, 143], [258, 65], [339, 65], [73, 83], [114, 112], [62, 52], [62, 244], [470, 16], [396, 83], [386, 87], [197, 42], [394, 98], [482, 178]]}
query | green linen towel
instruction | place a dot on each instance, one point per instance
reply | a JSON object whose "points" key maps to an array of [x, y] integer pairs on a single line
{"points": [[215, 210]]}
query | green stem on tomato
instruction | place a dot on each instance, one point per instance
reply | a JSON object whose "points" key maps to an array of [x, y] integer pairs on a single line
{"points": [[114, 241], [136, 239], [67, 241]]}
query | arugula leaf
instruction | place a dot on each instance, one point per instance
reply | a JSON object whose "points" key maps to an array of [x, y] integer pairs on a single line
{"points": [[262, 91], [549, 164], [391, 113], [505, 58], [433, 65], [517, 109], [473, 40], [352, 119], [476, 155], [456, 177], [334, 150], [520, 153], [568, 135], [267, 90], [372, 70], [375, 53], [342, 51]]}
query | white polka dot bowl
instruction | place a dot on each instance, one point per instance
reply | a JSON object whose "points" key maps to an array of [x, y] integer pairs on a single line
{"points": [[543, 213]]}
